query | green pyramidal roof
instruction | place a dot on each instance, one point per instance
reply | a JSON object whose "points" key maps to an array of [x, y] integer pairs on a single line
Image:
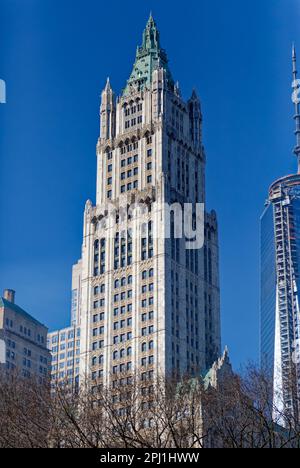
{"points": [[148, 57]]}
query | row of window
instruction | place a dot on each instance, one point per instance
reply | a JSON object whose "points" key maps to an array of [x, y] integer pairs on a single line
{"points": [[11, 344], [98, 317], [100, 303], [122, 338], [146, 317], [122, 353], [64, 345], [130, 160], [123, 282], [24, 330], [99, 289], [130, 147], [123, 295], [147, 330], [64, 364], [129, 173], [122, 251], [55, 349], [70, 354], [9, 323], [147, 274], [124, 367], [146, 288], [122, 310], [98, 374], [122, 324], [61, 375], [126, 187], [132, 122], [147, 360], [147, 246], [147, 302], [133, 109], [99, 264], [65, 336], [10, 354], [98, 331]]}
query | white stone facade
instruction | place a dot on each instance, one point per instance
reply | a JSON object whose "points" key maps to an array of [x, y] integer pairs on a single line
{"points": [[147, 304]]}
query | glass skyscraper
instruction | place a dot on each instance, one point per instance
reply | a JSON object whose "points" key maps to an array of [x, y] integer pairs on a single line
{"points": [[280, 283]]}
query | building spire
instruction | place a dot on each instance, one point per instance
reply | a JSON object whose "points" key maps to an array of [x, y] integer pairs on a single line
{"points": [[107, 86], [150, 17], [149, 57], [296, 100]]}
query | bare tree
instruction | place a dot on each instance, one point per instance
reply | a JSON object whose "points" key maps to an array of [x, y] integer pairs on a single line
{"points": [[239, 413], [233, 412], [24, 412]]}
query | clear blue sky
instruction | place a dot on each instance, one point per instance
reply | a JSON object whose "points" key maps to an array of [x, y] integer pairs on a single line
{"points": [[55, 57]]}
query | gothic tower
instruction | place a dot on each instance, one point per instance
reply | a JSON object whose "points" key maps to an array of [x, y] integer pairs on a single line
{"points": [[148, 303]]}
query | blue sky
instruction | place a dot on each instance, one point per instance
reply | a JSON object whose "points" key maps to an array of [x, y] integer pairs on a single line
{"points": [[55, 57]]}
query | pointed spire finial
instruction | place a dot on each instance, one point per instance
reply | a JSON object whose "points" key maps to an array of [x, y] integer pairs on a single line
{"points": [[296, 101], [151, 20], [194, 94]]}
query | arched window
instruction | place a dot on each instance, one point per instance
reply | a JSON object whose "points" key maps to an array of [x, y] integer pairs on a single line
{"points": [[115, 355], [101, 359], [151, 273], [151, 344], [117, 283], [144, 347], [122, 353], [130, 279], [129, 351], [94, 361], [123, 281]]}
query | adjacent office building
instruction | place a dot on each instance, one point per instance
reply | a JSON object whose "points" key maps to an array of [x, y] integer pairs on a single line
{"points": [[23, 340], [147, 303], [64, 346], [280, 282]]}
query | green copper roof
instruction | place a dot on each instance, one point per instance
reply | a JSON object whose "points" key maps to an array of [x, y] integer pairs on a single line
{"points": [[148, 57], [208, 378], [18, 310]]}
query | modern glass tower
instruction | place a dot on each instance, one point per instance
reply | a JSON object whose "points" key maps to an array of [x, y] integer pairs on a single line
{"points": [[280, 282]]}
